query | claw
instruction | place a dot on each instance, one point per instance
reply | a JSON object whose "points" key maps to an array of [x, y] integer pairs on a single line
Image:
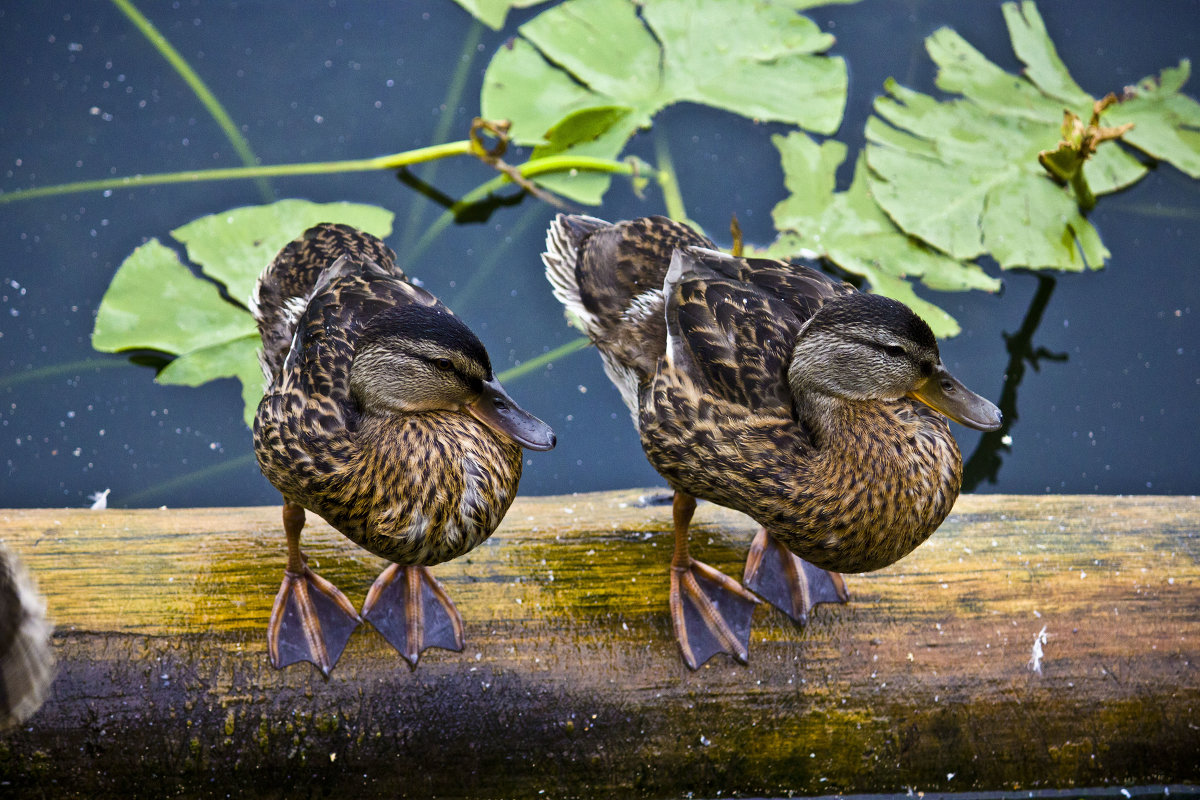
{"points": [[413, 612], [787, 581], [710, 613], [311, 621]]}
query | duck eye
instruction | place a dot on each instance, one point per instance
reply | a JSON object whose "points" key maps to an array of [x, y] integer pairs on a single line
{"points": [[893, 350], [443, 364]]}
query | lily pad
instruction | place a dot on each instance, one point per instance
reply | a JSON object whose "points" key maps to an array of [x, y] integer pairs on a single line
{"points": [[648, 55], [235, 246], [156, 303], [964, 176], [493, 12], [236, 358], [849, 229], [1166, 124]]}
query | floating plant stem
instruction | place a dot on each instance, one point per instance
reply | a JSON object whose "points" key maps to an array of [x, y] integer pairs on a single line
{"points": [[672, 197], [58, 370], [187, 479], [513, 373], [198, 86], [530, 169], [389, 162]]}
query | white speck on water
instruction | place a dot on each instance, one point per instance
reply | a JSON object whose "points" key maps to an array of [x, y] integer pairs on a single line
{"points": [[1006, 440], [99, 500]]}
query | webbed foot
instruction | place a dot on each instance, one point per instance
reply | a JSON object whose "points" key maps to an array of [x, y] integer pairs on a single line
{"points": [[710, 613], [413, 612], [311, 621], [787, 581]]}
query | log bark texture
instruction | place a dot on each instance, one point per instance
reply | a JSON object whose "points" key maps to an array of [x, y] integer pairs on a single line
{"points": [[571, 684]]}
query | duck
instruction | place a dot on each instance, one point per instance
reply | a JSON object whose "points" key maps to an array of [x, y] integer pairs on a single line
{"points": [[27, 666], [382, 415], [773, 389]]}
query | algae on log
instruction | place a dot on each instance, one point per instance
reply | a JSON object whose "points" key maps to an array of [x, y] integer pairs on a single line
{"points": [[571, 683]]}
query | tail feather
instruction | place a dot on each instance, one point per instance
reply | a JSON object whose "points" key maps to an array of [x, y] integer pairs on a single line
{"points": [[563, 239]]}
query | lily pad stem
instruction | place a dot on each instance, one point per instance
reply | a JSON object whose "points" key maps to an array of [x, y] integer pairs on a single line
{"points": [[389, 162]]}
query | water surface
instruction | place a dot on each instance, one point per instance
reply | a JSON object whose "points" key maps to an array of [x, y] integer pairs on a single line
{"points": [[1109, 374]]}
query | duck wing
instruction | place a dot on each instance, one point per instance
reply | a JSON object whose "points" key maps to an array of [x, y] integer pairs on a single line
{"points": [[287, 285], [732, 322], [800, 285]]}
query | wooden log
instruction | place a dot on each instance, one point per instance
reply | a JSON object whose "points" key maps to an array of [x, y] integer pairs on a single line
{"points": [[571, 684]]}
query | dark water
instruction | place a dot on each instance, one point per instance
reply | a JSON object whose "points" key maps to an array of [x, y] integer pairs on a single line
{"points": [[1105, 376]]}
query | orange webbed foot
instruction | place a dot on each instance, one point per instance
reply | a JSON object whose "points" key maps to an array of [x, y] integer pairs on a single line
{"points": [[311, 621], [411, 609], [787, 581]]}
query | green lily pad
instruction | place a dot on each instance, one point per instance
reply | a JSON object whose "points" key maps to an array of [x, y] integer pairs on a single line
{"points": [[233, 247], [648, 55], [1166, 124], [156, 303], [493, 12], [850, 230], [963, 175], [236, 358]]}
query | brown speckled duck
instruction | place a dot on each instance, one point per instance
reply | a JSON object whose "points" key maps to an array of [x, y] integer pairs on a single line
{"points": [[381, 415], [772, 389]]}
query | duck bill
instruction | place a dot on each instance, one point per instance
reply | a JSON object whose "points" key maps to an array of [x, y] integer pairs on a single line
{"points": [[501, 413], [944, 393]]}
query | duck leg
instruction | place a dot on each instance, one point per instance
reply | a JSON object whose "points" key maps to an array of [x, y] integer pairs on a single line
{"points": [[709, 610], [311, 619], [412, 611], [787, 581]]}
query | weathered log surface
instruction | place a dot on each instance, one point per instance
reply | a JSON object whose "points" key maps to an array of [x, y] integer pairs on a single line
{"points": [[571, 685]]}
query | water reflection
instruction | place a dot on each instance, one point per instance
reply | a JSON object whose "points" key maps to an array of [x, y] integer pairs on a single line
{"points": [[985, 462], [465, 213]]}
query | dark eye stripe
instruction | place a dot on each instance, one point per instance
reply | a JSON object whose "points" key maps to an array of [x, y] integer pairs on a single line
{"points": [[887, 349]]}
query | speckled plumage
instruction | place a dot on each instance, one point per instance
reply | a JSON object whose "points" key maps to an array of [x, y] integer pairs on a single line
{"points": [[704, 356], [416, 488]]}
